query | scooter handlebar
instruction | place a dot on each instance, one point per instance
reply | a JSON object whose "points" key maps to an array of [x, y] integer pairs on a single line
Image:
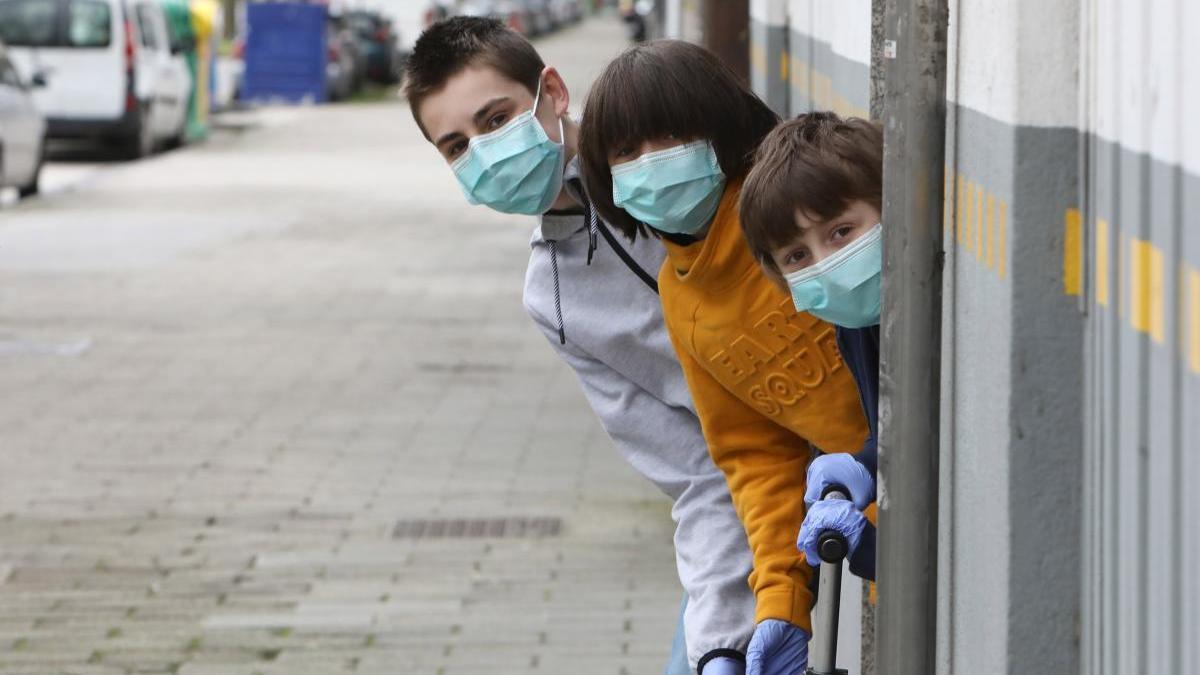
{"points": [[831, 545]]}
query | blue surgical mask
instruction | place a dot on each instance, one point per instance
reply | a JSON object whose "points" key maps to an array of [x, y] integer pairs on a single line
{"points": [[843, 289], [676, 190], [514, 169]]}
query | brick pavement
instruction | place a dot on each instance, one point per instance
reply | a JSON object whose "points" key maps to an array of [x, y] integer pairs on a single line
{"points": [[228, 372]]}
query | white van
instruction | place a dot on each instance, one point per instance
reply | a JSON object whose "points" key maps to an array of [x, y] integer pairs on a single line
{"points": [[107, 66], [409, 17], [22, 131]]}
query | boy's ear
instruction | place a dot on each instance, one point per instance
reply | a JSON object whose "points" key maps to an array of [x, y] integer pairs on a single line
{"points": [[554, 86]]}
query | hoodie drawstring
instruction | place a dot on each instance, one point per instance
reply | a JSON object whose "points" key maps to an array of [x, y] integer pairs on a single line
{"points": [[593, 229], [562, 334]]}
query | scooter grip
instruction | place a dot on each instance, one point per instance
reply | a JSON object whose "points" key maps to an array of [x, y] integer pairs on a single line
{"points": [[831, 545]]}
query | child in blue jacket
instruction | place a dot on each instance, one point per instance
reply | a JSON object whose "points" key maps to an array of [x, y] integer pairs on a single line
{"points": [[810, 209]]}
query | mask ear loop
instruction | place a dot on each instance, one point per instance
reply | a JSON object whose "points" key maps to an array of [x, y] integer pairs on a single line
{"points": [[537, 98]]}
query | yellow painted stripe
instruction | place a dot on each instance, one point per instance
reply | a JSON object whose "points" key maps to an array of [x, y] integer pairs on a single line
{"points": [[800, 75], [1073, 253], [979, 223], [1002, 244], [784, 60], [1101, 262], [1139, 287], [822, 90], [969, 207], [947, 190], [758, 57], [1122, 270], [1146, 289], [1158, 295], [991, 231], [958, 206], [1194, 319], [842, 106], [1181, 311]]}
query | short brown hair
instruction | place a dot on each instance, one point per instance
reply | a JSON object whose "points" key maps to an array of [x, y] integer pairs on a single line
{"points": [[816, 164], [667, 88], [449, 46]]}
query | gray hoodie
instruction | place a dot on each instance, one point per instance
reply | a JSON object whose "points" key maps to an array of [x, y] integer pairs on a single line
{"points": [[617, 344]]}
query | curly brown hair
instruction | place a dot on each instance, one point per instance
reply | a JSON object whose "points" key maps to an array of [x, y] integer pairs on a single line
{"points": [[816, 164]]}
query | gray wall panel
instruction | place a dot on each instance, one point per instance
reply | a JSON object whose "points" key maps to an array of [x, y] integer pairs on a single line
{"points": [[1162, 449], [1140, 408], [1047, 414], [822, 79], [1015, 446], [768, 50], [976, 450], [800, 47], [1189, 425]]}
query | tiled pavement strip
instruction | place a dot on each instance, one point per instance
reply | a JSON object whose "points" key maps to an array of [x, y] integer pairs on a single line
{"points": [[226, 373]]}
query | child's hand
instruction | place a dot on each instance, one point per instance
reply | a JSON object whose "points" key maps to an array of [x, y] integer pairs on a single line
{"points": [[839, 469], [777, 648], [838, 515]]}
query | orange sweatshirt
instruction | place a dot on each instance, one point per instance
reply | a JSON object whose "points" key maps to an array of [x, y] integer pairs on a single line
{"points": [[767, 381]]}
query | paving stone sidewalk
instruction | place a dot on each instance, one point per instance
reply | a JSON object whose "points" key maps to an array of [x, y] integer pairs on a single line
{"points": [[229, 373]]}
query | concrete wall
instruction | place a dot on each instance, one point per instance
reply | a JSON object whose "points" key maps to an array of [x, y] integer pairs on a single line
{"points": [[769, 52], [1011, 446], [1137, 273], [830, 56], [811, 55]]}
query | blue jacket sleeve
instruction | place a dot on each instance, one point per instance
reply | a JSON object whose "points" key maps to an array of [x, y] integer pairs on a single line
{"points": [[860, 351], [862, 561]]}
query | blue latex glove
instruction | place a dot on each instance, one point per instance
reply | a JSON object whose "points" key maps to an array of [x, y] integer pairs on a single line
{"points": [[777, 648], [830, 514], [839, 469], [724, 666]]}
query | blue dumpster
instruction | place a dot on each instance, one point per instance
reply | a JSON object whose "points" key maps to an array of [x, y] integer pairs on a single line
{"points": [[285, 52]]}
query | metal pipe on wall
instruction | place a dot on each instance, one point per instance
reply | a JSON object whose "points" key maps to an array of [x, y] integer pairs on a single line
{"points": [[914, 117]]}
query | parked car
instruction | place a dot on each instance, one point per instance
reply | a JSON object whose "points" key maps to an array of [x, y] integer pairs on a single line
{"points": [[540, 16], [342, 69], [378, 43], [511, 12], [566, 11], [437, 10], [182, 40], [22, 131], [108, 68]]}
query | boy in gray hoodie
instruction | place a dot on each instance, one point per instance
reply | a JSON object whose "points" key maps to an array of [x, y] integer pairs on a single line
{"points": [[483, 96]]}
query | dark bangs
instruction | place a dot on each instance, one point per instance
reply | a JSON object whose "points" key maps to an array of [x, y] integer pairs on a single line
{"points": [[667, 88]]}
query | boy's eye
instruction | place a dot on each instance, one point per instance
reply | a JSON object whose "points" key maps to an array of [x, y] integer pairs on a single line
{"points": [[795, 257], [456, 149], [497, 121], [842, 231]]}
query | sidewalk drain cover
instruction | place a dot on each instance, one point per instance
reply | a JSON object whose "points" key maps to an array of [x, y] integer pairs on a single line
{"points": [[477, 528]]}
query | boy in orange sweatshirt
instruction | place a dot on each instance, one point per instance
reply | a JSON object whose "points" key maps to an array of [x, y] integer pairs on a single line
{"points": [[667, 137], [811, 215]]}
